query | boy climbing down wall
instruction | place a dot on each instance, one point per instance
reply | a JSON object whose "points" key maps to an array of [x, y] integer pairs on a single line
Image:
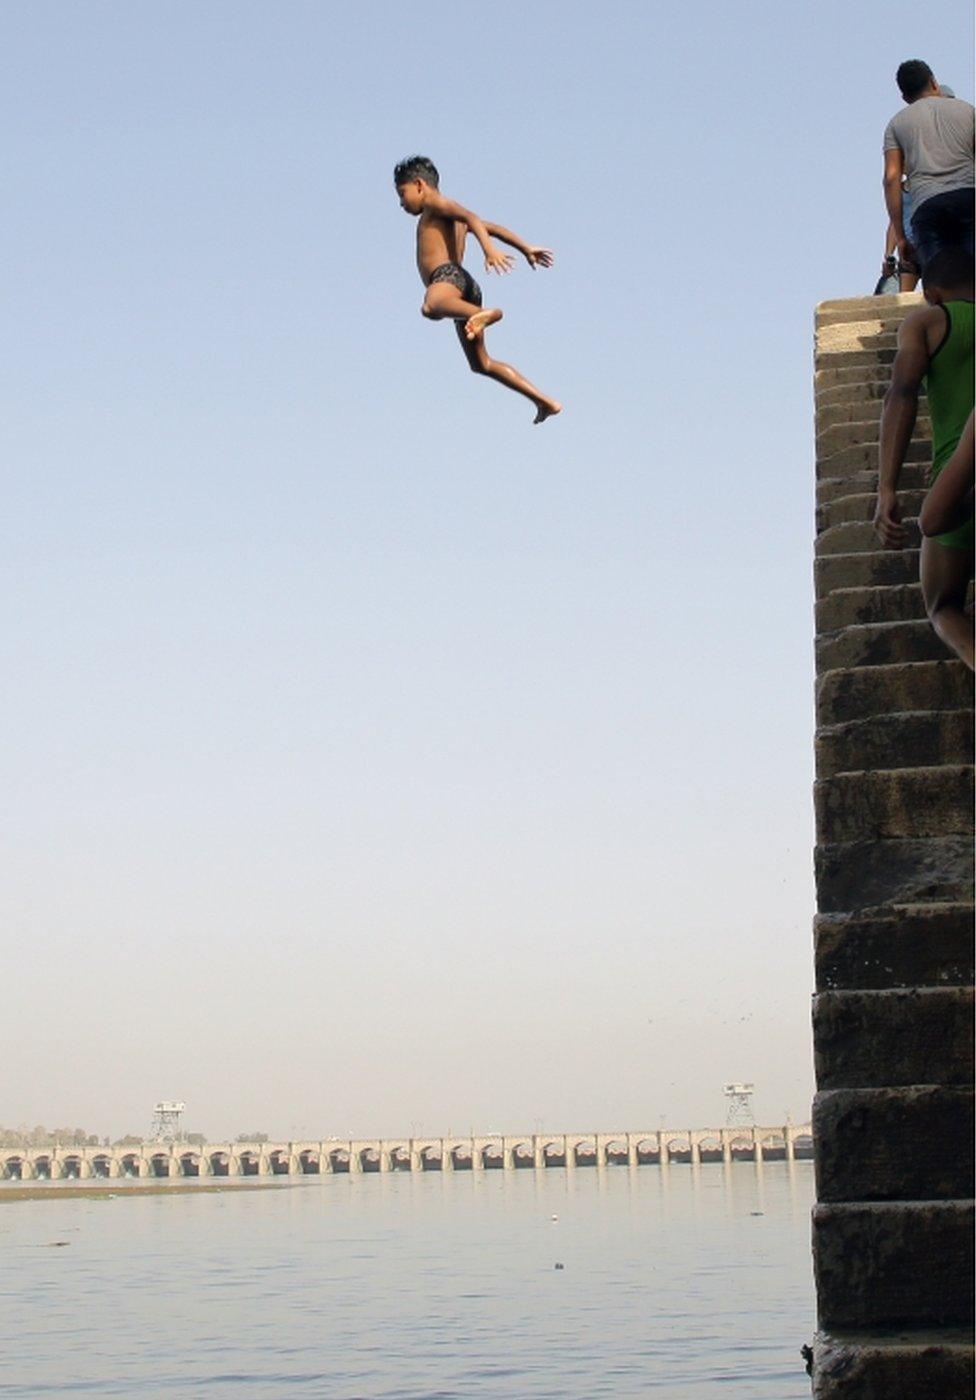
{"points": [[452, 293]]}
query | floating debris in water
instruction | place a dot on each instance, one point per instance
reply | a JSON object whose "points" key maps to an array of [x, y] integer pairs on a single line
{"points": [[757, 1212], [58, 1244], [554, 1217], [559, 1266]]}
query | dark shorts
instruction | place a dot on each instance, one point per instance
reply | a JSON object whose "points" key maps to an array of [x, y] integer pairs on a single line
{"points": [[459, 277], [944, 221]]}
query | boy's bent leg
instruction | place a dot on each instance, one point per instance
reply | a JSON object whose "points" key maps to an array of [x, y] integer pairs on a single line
{"points": [[481, 363], [480, 321], [444, 302], [945, 573]]}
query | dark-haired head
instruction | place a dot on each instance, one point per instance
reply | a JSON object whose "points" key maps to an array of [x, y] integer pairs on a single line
{"points": [[416, 168], [914, 78], [950, 270]]}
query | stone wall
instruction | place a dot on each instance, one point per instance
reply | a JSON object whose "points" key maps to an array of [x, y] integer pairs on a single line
{"points": [[893, 1116]]}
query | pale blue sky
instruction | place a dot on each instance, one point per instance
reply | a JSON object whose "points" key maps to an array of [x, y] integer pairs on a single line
{"points": [[372, 757]]}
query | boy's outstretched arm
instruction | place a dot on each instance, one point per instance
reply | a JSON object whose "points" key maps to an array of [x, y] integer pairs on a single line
{"points": [[535, 257], [495, 260]]}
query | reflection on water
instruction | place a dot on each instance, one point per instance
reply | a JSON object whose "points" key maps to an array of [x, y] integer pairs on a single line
{"points": [[682, 1282]]}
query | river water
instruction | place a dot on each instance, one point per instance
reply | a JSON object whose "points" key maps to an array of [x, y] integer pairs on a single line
{"points": [[683, 1282]]}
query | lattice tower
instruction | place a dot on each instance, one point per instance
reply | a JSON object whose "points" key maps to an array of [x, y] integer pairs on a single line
{"points": [[740, 1105], [166, 1121]]}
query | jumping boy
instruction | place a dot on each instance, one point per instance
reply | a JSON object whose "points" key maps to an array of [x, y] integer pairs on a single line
{"points": [[452, 293]]}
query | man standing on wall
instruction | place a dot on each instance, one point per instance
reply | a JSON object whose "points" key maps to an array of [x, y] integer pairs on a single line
{"points": [[930, 143]]}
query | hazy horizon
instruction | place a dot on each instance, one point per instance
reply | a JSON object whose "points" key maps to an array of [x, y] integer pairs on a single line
{"points": [[374, 758]]}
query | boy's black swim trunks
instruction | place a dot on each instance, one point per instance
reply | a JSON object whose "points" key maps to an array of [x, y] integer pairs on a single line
{"points": [[459, 277]]}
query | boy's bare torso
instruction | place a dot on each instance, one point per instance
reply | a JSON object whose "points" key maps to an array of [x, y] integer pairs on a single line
{"points": [[439, 241]]}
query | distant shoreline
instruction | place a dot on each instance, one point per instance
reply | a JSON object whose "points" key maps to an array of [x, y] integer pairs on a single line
{"points": [[56, 1191], [106, 1188]]}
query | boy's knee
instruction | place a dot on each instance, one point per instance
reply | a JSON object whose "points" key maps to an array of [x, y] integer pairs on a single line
{"points": [[476, 367]]}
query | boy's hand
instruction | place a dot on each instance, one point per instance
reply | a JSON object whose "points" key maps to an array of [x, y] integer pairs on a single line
{"points": [[887, 521], [539, 257], [497, 261]]}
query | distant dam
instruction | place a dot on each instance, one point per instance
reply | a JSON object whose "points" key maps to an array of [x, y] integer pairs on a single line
{"points": [[660, 1147]]}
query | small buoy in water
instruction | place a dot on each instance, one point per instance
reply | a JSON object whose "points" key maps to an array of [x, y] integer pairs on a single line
{"points": [[757, 1212], [58, 1244], [559, 1266], [554, 1217]]}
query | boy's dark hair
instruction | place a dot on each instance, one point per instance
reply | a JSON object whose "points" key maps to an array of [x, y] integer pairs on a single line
{"points": [[416, 168], [949, 269], [913, 77]]}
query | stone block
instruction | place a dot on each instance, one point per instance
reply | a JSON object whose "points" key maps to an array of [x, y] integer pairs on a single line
{"points": [[868, 806], [885, 1039], [856, 390], [874, 569], [842, 424], [863, 479], [858, 537], [913, 1143], [859, 875], [850, 410], [847, 607], [924, 1364], [836, 309], [880, 309], [917, 739], [844, 376], [886, 1264], [854, 336], [863, 359], [878, 644], [908, 945], [850, 458], [876, 690], [836, 437], [855, 386], [860, 505]]}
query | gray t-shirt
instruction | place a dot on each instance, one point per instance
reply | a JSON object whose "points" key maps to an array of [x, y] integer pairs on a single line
{"points": [[935, 137]]}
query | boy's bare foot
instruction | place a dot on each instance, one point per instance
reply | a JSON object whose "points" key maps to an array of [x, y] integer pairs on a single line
{"points": [[475, 324], [547, 410]]}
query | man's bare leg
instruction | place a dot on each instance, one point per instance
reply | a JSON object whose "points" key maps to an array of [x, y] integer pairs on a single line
{"points": [[945, 576], [481, 363]]}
